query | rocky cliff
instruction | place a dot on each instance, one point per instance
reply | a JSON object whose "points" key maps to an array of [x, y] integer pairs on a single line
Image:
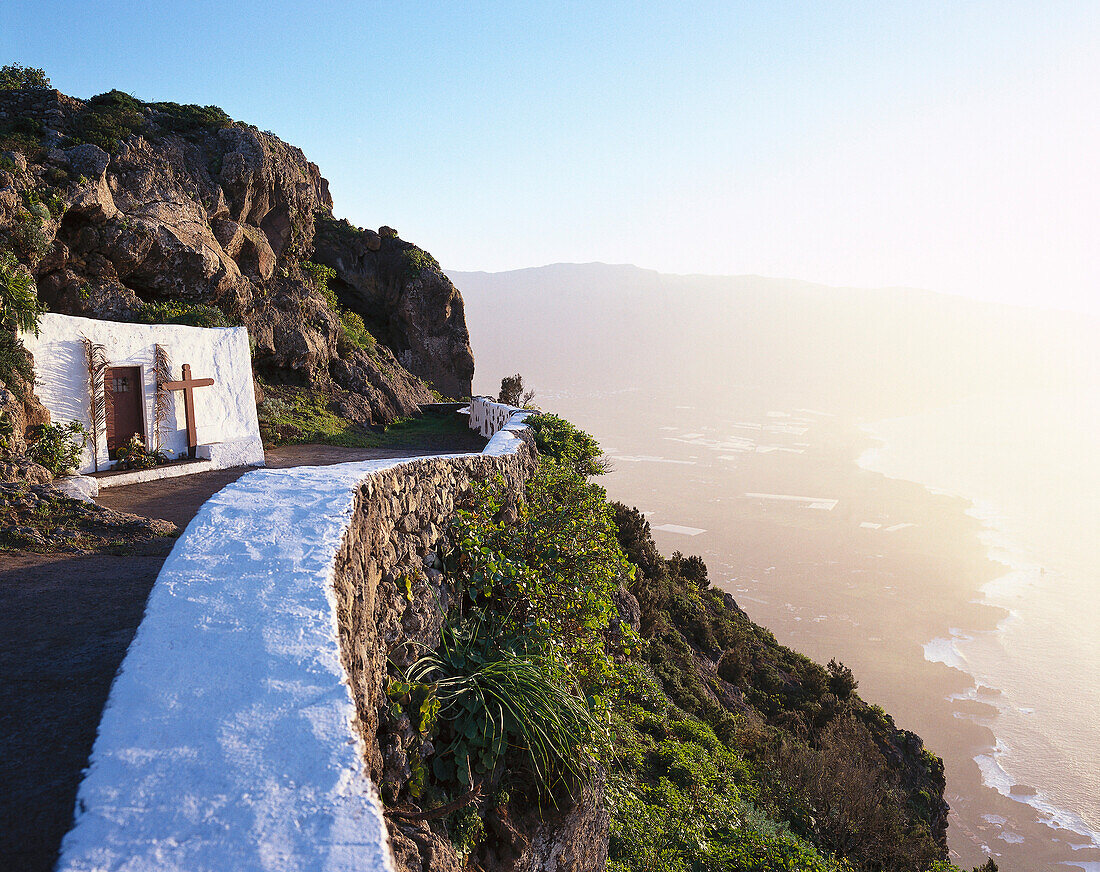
{"points": [[155, 211]]}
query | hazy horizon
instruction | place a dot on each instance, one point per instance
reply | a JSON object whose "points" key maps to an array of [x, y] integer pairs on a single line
{"points": [[1093, 312]]}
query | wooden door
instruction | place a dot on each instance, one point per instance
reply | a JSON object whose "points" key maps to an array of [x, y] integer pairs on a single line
{"points": [[124, 399]]}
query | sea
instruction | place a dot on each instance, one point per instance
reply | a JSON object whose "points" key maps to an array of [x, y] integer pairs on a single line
{"points": [[1027, 461]]}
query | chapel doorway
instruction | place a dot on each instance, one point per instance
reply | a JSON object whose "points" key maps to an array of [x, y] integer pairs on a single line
{"points": [[124, 415]]}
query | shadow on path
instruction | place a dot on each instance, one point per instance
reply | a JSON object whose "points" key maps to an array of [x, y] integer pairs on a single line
{"points": [[65, 624]]}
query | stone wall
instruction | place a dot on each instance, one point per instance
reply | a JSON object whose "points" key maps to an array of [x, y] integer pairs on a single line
{"points": [[49, 106], [392, 599], [391, 595], [487, 417]]}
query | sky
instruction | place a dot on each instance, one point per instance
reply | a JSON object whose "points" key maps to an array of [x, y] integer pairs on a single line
{"points": [[950, 146]]}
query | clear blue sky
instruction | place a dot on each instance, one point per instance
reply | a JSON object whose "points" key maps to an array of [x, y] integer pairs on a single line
{"points": [[946, 145]]}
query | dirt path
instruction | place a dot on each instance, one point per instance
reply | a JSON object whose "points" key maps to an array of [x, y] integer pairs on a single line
{"points": [[65, 624]]}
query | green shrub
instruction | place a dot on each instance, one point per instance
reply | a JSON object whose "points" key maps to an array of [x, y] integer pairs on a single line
{"points": [[56, 204], [842, 682], [109, 118], [19, 303], [339, 229], [416, 259], [16, 76], [44, 206], [467, 831], [179, 312], [659, 827], [35, 206], [57, 446], [186, 119], [355, 332], [555, 437], [552, 570], [7, 434], [28, 234], [21, 134], [16, 370], [320, 276]]}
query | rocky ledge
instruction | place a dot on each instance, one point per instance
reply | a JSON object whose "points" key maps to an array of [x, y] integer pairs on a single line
{"points": [[36, 517]]}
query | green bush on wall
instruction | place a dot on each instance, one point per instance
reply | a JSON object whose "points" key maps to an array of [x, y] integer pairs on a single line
{"points": [[19, 303], [110, 118], [178, 312]]}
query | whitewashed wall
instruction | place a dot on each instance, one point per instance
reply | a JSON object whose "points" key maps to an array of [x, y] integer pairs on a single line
{"points": [[225, 413], [487, 416]]}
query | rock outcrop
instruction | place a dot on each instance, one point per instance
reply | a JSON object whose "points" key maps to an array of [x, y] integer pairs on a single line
{"points": [[20, 408], [389, 282], [133, 211]]}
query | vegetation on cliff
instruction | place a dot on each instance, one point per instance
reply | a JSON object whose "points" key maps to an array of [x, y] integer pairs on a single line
{"points": [[711, 746]]}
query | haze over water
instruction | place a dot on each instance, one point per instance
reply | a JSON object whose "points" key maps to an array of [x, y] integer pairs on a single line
{"points": [[1028, 460], [719, 396]]}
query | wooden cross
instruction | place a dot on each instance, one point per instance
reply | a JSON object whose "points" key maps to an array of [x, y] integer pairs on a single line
{"points": [[187, 385]]}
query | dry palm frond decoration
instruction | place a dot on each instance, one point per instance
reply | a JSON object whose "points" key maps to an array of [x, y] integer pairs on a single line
{"points": [[162, 400], [95, 357]]}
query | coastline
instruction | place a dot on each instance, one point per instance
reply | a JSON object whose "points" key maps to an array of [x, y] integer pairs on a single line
{"points": [[1023, 811], [869, 574]]}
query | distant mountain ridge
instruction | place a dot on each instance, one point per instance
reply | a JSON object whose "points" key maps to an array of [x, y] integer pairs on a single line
{"points": [[870, 353]]}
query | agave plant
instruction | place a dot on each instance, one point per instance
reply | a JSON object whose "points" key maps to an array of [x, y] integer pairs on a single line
{"points": [[492, 700]]}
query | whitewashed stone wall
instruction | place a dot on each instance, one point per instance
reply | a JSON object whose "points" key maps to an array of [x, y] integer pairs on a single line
{"points": [[238, 731], [487, 416], [225, 413]]}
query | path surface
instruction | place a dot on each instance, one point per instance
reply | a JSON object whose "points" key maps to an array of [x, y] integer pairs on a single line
{"points": [[177, 499], [65, 624]]}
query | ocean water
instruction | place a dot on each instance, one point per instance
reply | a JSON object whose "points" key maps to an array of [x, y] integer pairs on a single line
{"points": [[1029, 464]]}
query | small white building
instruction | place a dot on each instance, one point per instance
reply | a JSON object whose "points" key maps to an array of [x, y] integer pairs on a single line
{"points": [[224, 425]]}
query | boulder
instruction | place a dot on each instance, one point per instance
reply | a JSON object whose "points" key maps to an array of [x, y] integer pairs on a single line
{"points": [[417, 313], [17, 158], [88, 160], [78, 487]]}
